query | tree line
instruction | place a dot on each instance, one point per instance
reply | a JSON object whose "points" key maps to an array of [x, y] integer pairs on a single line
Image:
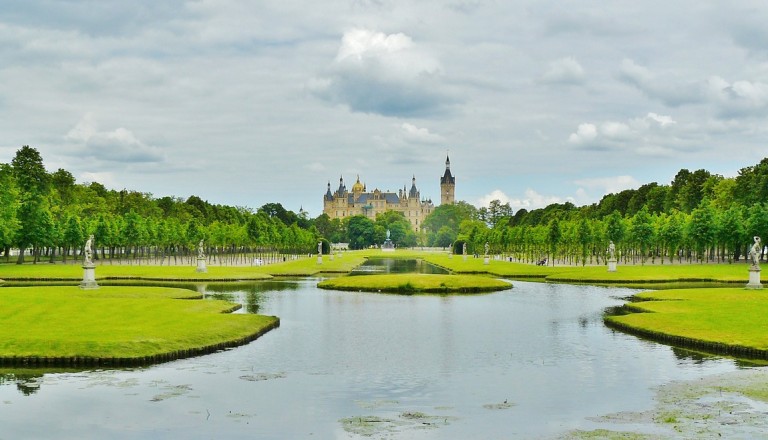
{"points": [[699, 216]]}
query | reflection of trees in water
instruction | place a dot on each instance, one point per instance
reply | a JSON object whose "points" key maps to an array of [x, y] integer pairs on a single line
{"points": [[26, 384], [252, 287], [250, 294], [699, 358]]}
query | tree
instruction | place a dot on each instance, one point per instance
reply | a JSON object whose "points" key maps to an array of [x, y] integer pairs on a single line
{"points": [[498, 212], [34, 186], [584, 237], [731, 231], [554, 234], [361, 232], [9, 207], [701, 229], [641, 231], [72, 235]]}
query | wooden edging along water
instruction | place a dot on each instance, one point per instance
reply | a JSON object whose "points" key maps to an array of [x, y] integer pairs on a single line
{"points": [[139, 361]]}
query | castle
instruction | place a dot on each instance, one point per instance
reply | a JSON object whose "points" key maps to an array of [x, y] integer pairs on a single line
{"points": [[343, 203]]}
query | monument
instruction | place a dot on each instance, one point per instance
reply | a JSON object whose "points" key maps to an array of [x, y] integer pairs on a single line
{"points": [[388, 246], [464, 251], [754, 270], [611, 257], [487, 258], [201, 258], [319, 252], [89, 269]]}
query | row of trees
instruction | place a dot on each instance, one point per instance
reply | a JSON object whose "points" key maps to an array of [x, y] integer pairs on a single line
{"points": [[51, 215], [699, 216]]}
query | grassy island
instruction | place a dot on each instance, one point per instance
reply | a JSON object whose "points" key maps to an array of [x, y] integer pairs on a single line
{"points": [[117, 326], [409, 284], [728, 321]]}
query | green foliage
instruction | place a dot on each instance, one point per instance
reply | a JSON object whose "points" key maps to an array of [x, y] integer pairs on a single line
{"points": [[361, 232]]}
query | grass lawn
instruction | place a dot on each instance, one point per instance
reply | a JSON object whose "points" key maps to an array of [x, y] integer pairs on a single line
{"points": [[729, 320], [117, 322], [416, 283], [302, 267]]}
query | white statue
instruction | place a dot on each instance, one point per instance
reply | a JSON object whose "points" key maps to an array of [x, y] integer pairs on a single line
{"points": [[464, 249], [486, 248], [200, 252], [89, 251], [387, 234], [319, 248], [756, 251], [611, 251]]}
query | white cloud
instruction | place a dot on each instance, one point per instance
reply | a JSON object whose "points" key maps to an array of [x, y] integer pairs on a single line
{"points": [[496, 194], [564, 71], [385, 74], [585, 133], [119, 145], [635, 134], [414, 134], [530, 200]]}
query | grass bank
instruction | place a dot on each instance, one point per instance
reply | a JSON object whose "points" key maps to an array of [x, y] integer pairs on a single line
{"points": [[409, 284], [727, 321], [117, 326], [74, 272]]}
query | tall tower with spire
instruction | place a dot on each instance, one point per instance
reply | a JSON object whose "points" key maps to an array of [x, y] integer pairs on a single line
{"points": [[447, 185]]}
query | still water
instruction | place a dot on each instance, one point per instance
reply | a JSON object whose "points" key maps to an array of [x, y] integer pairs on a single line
{"points": [[532, 362]]}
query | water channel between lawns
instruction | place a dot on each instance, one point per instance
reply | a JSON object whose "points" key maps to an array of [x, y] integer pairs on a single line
{"points": [[535, 361]]}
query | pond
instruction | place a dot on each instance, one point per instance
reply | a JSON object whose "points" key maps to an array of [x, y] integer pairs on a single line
{"points": [[397, 265], [532, 362]]}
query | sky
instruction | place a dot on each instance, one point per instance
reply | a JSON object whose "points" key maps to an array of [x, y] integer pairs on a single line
{"points": [[245, 102]]}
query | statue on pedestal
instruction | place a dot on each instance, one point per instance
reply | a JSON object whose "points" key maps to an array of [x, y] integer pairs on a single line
{"points": [[611, 251], [88, 251], [200, 250], [755, 251]]}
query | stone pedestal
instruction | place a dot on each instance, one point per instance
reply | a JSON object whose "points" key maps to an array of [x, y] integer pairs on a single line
{"points": [[201, 266], [450, 256], [612, 265], [319, 259], [331, 257], [487, 260], [754, 278], [465, 257], [89, 277]]}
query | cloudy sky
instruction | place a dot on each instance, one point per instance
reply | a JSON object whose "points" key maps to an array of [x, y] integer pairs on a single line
{"points": [[250, 102]]}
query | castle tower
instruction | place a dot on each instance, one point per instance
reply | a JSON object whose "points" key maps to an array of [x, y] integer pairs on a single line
{"points": [[447, 185]]}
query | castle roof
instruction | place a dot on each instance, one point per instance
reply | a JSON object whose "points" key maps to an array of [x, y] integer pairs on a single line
{"points": [[447, 176]]}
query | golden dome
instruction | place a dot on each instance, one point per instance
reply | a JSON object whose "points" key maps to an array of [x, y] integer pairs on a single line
{"points": [[358, 187]]}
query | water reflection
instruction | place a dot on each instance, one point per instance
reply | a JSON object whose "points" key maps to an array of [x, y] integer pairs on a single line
{"points": [[397, 265]]}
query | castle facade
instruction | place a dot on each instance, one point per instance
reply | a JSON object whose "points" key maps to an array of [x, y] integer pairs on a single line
{"points": [[343, 203]]}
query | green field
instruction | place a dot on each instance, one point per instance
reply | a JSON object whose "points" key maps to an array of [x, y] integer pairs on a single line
{"points": [[725, 320], [416, 283], [126, 323]]}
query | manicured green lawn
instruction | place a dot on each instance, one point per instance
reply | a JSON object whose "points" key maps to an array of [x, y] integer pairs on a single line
{"points": [[732, 316], [116, 322], [416, 283], [75, 272]]}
